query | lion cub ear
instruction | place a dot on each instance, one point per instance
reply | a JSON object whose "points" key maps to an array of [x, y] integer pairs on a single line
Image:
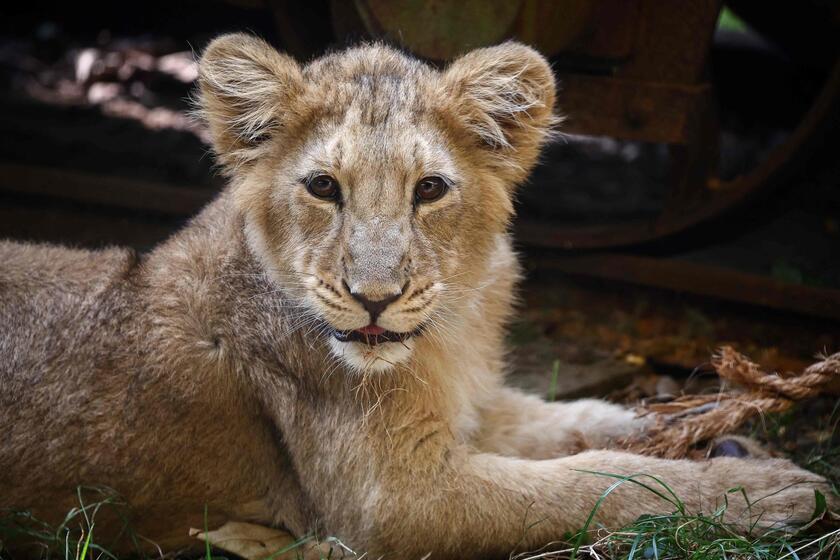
{"points": [[504, 96], [247, 91]]}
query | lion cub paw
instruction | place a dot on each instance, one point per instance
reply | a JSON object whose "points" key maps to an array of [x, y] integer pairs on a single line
{"points": [[257, 542], [766, 494]]}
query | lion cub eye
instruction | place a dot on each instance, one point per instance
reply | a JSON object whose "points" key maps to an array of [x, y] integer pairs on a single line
{"points": [[429, 189], [323, 186]]}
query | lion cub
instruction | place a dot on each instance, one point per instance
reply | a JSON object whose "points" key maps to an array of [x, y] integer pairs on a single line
{"points": [[322, 348]]}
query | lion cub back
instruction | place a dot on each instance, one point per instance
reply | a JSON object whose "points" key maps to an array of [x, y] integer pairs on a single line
{"points": [[48, 296]]}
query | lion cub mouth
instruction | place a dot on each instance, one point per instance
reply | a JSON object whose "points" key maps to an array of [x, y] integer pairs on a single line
{"points": [[372, 335]]}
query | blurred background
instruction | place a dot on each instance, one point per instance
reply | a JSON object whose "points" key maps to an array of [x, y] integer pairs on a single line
{"points": [[693, 200]]}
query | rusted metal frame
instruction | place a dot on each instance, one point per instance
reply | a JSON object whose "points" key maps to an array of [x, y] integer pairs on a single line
{"points": [[673, 42], [781, 161], [704, 280], [659, 95], [694, 164], [631, 109]]}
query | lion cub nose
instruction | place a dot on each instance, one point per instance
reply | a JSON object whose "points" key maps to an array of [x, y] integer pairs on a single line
{"points": [[375, 306]]}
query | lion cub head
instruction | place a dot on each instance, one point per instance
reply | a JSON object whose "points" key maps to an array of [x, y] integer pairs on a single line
{"points": [[374, 187]]}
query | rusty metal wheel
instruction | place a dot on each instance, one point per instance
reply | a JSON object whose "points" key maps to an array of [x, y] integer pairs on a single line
{"points": [[697, 195]]}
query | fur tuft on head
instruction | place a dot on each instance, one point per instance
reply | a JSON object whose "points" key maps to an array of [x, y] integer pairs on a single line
{"points": [[505, 98], [247, 91]]}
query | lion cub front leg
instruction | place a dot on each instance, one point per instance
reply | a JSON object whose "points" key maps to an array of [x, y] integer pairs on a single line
{"points": [[520, 425], [414, 488]]}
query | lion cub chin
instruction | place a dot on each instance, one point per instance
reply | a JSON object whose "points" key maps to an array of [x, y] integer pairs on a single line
{"points": [[362, 357]]}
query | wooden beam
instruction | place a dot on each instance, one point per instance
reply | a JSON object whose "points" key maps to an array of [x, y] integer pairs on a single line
{"points": [[712, 281], [103, 190]]}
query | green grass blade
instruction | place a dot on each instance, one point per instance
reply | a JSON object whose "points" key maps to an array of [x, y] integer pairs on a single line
{"points": [[85, 547]]}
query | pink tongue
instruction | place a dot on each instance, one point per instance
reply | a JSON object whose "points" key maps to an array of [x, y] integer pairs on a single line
{"points": [[372, 330]]}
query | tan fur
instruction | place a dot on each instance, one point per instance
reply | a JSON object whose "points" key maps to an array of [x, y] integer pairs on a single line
{"points": [[205, 373]]}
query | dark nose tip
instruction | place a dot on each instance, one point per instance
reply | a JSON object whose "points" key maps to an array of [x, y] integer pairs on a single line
{"points": [[374, 306]]}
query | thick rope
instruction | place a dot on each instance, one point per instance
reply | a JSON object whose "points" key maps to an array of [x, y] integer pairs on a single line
{"points": [[682, 424]]}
